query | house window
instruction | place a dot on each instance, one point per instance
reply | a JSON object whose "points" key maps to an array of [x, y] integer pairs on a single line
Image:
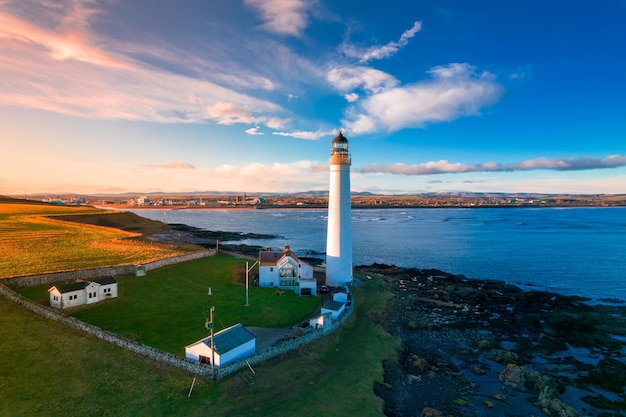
{"points": [[55, 298], [271, 269]]}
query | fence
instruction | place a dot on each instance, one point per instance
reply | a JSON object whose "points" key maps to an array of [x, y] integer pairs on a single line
{"points": [[113, 338], [150, 352], [287, 346]]}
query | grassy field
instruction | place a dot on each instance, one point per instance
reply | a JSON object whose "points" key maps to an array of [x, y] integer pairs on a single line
{"points": [[49, 370], [166, 308], [32, 241]]}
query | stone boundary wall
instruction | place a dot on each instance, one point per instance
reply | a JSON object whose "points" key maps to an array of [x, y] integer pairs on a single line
{"points": [[288, 346], [150, 352], [91, 273], [238, 255], [169, 358]]}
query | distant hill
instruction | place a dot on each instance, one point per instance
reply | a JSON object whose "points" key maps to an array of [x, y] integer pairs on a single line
{"points": [[11, 200]]}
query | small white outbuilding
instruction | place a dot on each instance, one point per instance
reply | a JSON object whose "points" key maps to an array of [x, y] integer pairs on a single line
{"points": [[231, 344], [335, 308], [82, 292]]}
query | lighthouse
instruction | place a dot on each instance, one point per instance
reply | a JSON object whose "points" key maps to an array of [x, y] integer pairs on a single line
{"points": [[339, 233]]}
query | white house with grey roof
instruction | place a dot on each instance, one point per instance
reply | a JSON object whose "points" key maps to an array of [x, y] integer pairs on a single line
{"points": [[231, 344], [283, 269], [81, 292]]}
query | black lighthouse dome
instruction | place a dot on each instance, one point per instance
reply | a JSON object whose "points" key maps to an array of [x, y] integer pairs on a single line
{"points": [[340, 144]]}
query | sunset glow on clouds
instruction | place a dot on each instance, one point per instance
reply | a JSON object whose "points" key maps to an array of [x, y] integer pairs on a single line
{"points": [[248, 95]]}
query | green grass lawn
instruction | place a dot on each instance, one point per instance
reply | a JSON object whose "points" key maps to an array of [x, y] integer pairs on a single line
{"points": [[168, 307], [47, 369]]}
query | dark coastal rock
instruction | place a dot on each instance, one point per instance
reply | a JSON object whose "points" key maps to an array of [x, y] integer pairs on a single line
{"points": [[470, 335], [212, 237]]}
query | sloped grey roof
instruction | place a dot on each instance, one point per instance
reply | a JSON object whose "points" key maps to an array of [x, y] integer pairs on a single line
{"points": [[230, 338], [270, 257], [73, 286], [105, 280], [333, 305]]}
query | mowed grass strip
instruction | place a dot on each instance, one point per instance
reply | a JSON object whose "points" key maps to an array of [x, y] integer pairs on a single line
{"points": [[32, 243], [168, 307]]}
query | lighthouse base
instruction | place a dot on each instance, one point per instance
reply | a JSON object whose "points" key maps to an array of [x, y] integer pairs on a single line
{"points": [[338, 271]]}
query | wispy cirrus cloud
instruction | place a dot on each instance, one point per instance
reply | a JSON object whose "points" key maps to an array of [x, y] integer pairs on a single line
{"points": [[453, 91], [307, 135], [445, 167], [285, 17], [227, 113], [53, 61], [381, 51]]}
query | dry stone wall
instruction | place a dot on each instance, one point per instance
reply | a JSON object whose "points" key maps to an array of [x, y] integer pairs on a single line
{"points": [[92, 273], [284, 347], [150, 352]]}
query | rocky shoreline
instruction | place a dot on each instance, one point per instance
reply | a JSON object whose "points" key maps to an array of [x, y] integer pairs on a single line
{"points": [[487, 348]]}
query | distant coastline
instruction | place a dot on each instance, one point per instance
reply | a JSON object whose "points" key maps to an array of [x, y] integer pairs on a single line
{"points": [[324, 207], [319, 200]]}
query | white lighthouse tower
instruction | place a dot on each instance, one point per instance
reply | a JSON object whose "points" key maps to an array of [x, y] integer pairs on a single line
{"points": [[339, 233]]}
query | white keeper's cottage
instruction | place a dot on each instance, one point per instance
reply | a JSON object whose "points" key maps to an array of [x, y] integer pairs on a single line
{"points": [[81, 292], [283, 269]]}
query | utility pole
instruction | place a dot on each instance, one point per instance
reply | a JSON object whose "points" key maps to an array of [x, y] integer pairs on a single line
{"points": [[248, 280], [211, 328]]}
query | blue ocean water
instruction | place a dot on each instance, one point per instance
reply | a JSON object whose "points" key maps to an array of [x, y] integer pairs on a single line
{"points": [[572, 251]]}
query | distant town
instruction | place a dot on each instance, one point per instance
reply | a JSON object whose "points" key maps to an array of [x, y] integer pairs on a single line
{"points": [[319, 199]]}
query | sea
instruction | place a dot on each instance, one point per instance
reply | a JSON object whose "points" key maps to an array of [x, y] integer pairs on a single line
{"points": [[571, 251]]}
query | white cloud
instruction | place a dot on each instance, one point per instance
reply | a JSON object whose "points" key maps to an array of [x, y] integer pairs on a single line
{"points": [[445, 167], [254, 131], [454, 90], [285, 17], [351, 97], [276, 123], [348, 78], [308, 135], [383, 51]]}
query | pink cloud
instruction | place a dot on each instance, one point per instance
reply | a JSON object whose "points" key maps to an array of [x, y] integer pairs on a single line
{"points": [[54, 62], [286, 17]]}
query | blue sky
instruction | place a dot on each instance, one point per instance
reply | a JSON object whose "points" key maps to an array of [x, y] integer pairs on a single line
{"points": [[246, 95]]}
